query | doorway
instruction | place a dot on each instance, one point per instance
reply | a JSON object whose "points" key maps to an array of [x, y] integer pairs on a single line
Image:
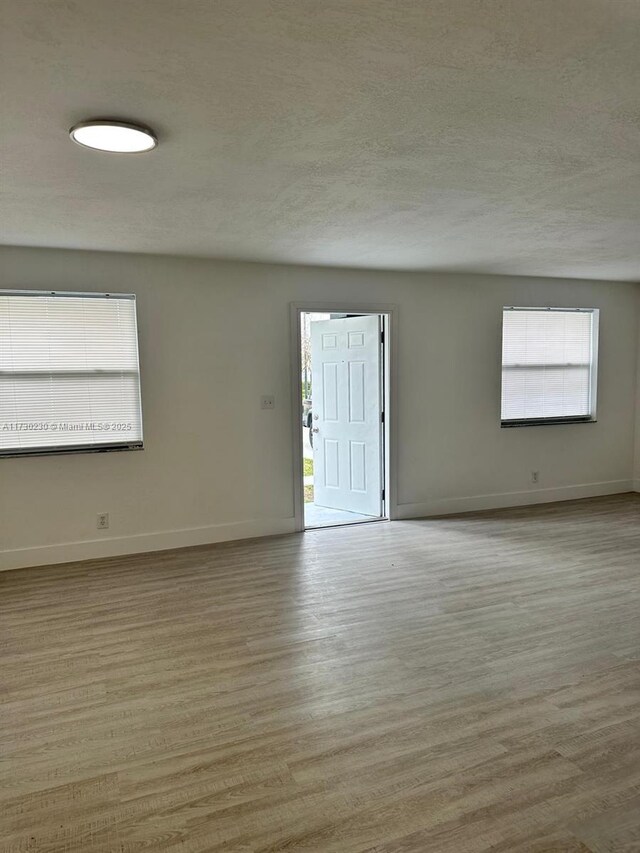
{"points": [[341, 406]]}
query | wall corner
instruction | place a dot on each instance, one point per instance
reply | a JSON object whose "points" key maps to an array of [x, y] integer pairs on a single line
{"points": [[636, 456]]}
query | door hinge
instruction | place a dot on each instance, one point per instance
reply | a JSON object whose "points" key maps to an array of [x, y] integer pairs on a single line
{"points": [[382, 417], [382, 336], [382, 495]]}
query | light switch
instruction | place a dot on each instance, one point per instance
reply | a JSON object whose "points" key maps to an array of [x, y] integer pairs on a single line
{"points": [[267, 402]]}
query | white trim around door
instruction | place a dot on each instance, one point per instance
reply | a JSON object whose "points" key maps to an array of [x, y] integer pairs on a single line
{"points": [[390, 320]]}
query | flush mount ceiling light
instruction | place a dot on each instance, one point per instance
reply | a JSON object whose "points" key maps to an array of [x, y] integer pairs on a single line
{"points": [[121, 137]]}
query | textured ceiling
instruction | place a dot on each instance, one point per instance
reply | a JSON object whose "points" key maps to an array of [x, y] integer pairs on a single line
{"points": [[481, 135]]}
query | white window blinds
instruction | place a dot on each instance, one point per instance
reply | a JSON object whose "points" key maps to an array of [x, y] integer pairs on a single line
{"points": [[548, 364], [69, 375]]}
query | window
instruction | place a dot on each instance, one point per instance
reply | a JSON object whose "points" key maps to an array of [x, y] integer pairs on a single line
{"points": [[69, 376], [549, 358]]}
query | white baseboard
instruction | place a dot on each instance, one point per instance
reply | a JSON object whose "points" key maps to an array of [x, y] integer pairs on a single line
{"points": [[93, 549], [502, 500]]}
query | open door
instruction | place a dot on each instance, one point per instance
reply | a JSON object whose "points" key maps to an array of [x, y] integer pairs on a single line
{"points": [[347, 414]]}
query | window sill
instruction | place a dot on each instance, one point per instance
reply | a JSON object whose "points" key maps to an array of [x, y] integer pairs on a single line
{"points": [[532, 422], [66, 451]]}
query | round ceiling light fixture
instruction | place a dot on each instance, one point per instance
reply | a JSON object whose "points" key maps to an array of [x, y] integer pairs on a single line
{"points": [[120, 137]]}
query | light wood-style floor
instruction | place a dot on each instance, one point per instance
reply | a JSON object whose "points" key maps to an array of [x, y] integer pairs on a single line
{"points": [[442, 686]]}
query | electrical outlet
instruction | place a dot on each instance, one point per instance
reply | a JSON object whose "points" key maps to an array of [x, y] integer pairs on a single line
{"points": [[102, 521], [535, 476], [267, 402]]}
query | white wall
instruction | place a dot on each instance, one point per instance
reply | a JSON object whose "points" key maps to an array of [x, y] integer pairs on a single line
{"points": [[214, 336]]}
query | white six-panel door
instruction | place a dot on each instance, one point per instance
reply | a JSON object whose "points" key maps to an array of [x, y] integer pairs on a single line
{"points": [[345, 360]]}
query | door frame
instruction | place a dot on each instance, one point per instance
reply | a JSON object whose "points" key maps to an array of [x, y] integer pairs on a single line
{"points": [[390, 314]]}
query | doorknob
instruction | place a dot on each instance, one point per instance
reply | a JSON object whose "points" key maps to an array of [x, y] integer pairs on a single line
{"points": [[316, 429]]}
